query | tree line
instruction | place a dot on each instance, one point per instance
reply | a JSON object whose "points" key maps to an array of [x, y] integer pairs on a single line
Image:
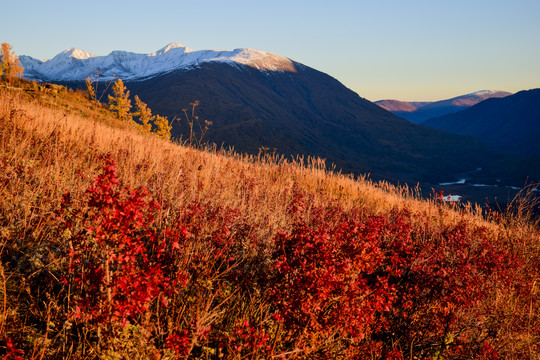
{"points": [[120, 104]]}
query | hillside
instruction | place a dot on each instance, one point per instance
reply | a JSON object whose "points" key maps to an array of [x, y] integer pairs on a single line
{"points": [[397, 106], [117, 244], [419, 112]]}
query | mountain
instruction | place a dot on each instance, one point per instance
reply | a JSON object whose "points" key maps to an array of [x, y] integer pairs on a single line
{"points": [[74, 64], [418, 112], [255, 99], [511, 123], [306, 112]]}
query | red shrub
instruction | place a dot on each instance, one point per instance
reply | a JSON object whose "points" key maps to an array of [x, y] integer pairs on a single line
{"points": [[179, 342], [377, 283], [327, 281], [119, 263], [12, 353], [247, 338]]}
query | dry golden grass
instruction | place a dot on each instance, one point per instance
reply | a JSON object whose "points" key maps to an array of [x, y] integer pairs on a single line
{"points": [[57, 137], [50, 142]]}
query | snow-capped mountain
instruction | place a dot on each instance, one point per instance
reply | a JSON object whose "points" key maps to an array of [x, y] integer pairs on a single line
{"points": [[474, 98], [75, 64], [256, 98]]}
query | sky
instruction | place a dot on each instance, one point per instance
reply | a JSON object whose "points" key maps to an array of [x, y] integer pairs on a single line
{"points": [[415, 50]]}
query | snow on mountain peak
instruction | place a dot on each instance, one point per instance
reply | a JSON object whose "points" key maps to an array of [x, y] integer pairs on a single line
{"points": [[76, 54], [473, 98], [258, 59], [74, 64], [172, 46], [477, 96], [484, 92]]}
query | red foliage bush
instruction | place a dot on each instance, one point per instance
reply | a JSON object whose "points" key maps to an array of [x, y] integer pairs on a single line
{"points": [[179, 342], [119, 262], [328, 282], [246, 338], [12, 353], [381, 285]]}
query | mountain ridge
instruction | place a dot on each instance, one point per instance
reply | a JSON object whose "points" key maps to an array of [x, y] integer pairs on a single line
{"points": [[75, 64], [420, 111], [511, 123]]}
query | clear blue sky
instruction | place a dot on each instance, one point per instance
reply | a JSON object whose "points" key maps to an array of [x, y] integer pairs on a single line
{"points": [[407, 50]]}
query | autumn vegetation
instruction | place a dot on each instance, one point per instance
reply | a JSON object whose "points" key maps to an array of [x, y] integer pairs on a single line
{"points": [[10, 66], [116, 243]]}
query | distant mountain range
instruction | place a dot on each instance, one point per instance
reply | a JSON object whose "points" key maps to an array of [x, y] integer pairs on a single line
{"points": [[511, 123], [255, 99], [418, 112]]}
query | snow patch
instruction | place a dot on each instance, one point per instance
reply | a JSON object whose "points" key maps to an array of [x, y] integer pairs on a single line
{"points": [[484, 92], [172, 46], [459, 182], [76, 54]]}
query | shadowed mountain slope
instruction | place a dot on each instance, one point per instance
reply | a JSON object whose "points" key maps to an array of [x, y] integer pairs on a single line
{"points": [[511, 123], [307, 112]]}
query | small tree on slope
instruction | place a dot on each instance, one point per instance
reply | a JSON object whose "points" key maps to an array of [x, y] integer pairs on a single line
{"points": [[144, 113], [10, 66], [163, 128], [119, 102]]}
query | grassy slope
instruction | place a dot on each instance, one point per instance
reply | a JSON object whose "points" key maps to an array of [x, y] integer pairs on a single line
{"points": [[56, 142], [51, 142]]}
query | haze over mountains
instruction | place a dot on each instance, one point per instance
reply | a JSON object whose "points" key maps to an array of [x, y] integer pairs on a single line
{"points": [[418, 111], [257, 99]]}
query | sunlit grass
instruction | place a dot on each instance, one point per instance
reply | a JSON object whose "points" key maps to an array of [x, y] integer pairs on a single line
{"points": [[51, 143]]}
